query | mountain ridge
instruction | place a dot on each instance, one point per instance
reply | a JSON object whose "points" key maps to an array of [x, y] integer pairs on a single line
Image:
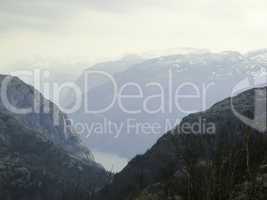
{"points": [[209, 72], [164, 159]]}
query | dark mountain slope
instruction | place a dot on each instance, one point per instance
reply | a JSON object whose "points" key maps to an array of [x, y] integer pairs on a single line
{"points": [[39, 157], [44, 116], [182, 165], [32, 167]]}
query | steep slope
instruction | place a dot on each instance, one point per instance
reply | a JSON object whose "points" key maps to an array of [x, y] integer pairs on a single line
{"points": [[229, 164], [201, 74], [32, 167], [43, 116]]}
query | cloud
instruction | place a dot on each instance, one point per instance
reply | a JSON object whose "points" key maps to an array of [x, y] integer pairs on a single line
{"points": [[41, 15], [47, 14], [55, 8], [92, 29], [31, 14], [16, 14]]}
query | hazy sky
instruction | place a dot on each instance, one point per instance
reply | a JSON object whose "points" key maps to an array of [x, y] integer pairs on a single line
{"points": [[63, 31]]}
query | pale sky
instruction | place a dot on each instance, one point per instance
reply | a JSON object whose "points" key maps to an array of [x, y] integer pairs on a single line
{"points": [[85, 31]]}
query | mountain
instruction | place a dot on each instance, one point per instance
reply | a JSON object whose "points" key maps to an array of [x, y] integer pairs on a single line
{"points": [[112, 67], [258, 55], [89, 79], [174, 51], [41, 157], [230, 163], [44, 116], [32, 167], [209, 77]]}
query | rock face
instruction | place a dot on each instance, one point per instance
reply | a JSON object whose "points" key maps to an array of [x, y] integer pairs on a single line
{"points": [[228, 164], [44, 116], [201, 73], [39, 157], [32, 167]]}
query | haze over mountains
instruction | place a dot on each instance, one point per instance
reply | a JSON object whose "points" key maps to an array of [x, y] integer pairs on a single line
{"points": [[133, 100], [43, 157], [209, 77]]}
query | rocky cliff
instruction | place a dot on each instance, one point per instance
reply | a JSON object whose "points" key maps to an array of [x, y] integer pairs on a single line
{"points": [[39, 157], [44, 116]]}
